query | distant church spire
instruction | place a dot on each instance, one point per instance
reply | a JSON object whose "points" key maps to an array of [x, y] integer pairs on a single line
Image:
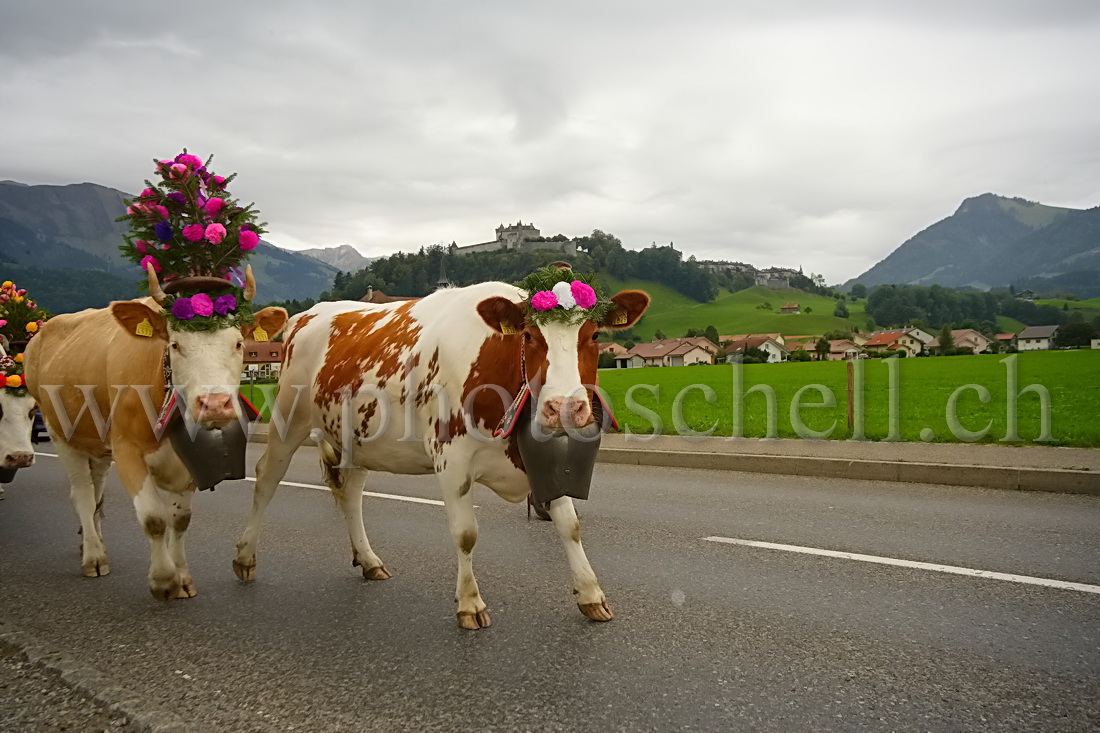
{"points": [[443, 281]]}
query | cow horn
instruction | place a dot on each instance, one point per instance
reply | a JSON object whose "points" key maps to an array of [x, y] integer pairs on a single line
{"points": [[249, 284], [154, 285]]}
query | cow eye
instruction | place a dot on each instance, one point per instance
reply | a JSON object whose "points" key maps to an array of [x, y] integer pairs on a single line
{"points": [[596, 336], [240, 345], [526, 337], [175, 346]]}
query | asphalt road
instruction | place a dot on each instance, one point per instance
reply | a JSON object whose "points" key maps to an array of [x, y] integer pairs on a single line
{"points": [[707, 635]]}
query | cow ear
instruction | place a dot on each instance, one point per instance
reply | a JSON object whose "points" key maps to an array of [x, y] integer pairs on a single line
{"points": [[270, 319], [502, 315], [630, 305], [139, 320]]}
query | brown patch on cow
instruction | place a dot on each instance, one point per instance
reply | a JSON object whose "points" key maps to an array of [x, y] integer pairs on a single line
{"points": [[361, 342], [575, 531], [367, 410], [181, 522], [445, 432], [467, 541], [289, 340], [465, 487], [497, 363], [154, 526]]}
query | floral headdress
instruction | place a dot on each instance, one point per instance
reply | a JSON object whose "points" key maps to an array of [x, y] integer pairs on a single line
{"points": [[20, 317], [186, 225], [11, 372], [561, 295]]}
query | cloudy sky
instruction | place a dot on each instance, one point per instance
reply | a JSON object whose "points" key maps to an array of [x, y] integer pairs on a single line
{"points": [[800, 132]]}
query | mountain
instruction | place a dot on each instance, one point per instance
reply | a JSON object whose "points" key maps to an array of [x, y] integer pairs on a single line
{"points": [[62, 239], [343, 257], [992, 241]]}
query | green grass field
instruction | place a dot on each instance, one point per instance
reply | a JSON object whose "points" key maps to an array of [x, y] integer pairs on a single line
{"points": [[924, 390], [1088, 309], [734, 313]]}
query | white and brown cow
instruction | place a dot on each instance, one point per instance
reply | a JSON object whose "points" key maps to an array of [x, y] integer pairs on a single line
{"points": [[99, 383], [417, 388]]}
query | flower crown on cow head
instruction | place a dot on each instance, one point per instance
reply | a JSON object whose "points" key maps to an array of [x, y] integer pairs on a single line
{"points": [[557, 294], [187, 231], [11, 371]]}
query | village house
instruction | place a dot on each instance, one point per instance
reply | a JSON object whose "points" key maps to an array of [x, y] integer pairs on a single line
{"points": [[910, 341], [668, 352], [843, 349], [612, 348], [1036, 338], [262, 359], [776, 351], [776, 337], [1095, 343], [968, 338], [1006, 340], [792, 308]]}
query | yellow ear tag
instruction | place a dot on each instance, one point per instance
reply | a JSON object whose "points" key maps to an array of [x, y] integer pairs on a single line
{"points": [[259, 334], [144, 329], [507, 328], [619, 319]]}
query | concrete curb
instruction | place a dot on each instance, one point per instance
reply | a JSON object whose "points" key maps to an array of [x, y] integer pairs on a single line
{"points": [[990, 477], [1013, 478], [90, 683]]}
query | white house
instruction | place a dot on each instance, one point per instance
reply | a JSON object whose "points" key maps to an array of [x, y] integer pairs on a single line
{"points": [[1036, 338]]}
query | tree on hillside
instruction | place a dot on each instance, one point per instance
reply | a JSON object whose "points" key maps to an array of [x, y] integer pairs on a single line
{"points": [[712, 334], [859, 290], [659, 335], [841, 310]]}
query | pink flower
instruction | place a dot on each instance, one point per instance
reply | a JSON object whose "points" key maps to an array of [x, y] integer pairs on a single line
{"points": [[148, 192], [140, 245], [150, 260], [583, 294], [544, 300], [202, 304], [213, 206], [249, 239], [215, 233], [193, 232], [179, 170], [162, 211], [191, 161], [3, 322], [217, 181]]}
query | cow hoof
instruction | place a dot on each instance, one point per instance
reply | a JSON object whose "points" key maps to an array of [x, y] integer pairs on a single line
{"points": [[474, 621], [243, 571], [596, 611], [187, 590], [376, 573], [165, 591], [96, 568]]}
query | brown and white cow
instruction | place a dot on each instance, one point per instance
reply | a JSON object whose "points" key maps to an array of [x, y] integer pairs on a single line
{"points": [[417, 388], [100, 383]]}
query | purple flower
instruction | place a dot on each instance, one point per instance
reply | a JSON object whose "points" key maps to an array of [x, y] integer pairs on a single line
{"points": [[164, 231], [202, 304], [224, 304], [183, 310], [544, 300], [178, 197]]}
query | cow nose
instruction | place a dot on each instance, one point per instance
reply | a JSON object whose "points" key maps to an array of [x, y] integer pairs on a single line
{"points": [[214, 407], [19, 459], [566, 411]]}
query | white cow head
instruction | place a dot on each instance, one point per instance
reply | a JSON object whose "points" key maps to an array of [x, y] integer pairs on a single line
{"points": [[16, 418], [206, 365], [561, 357]]}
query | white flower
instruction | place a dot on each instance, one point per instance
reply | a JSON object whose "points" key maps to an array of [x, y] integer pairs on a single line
{"points": [[565, 296]]}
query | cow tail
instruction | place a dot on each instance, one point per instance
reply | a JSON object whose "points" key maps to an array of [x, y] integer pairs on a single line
{"points": [[330, 460]]}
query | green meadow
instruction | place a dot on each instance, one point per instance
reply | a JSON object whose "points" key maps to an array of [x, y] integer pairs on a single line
{"points": [[915, 403]]}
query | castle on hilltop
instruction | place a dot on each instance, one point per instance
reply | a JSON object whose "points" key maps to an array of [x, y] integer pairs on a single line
{"points": [[518, 237], [775, 278]]}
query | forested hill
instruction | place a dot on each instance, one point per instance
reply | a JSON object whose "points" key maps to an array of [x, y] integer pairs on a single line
{"points": [[991, 242], [417, 274]]}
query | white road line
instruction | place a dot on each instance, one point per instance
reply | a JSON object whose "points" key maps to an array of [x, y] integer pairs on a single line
{"points": [[1065, 585], [395, 497]]}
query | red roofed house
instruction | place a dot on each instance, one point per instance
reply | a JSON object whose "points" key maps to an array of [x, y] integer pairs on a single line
{"points": [[910, 341], [967, 338], [612, 348], [262, 359], [776, 351], [669, 352]]}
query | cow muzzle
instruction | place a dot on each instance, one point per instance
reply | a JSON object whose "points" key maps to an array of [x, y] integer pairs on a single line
{"points": [[19, 459], [214, 409], [559, 413]]}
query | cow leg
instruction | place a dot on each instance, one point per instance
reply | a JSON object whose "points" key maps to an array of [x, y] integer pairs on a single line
{"points": [[82, 494], [181, 519], [590, 598], [472, 612], [270, 470], [349, 497], [99, 467], [155, 517]]}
